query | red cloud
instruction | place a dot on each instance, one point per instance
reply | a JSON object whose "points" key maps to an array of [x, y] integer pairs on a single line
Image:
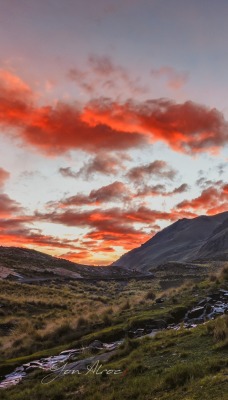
{"points": [[187, 127], [127, 240], [25, 237], [110, 227], [110, 217], [107, 125], [15, 230], [114, 225], [4, 175], [116, 191], [8, 206], [87, 256], [102, 163], [211, 201], [54, 130], [112, 192]]}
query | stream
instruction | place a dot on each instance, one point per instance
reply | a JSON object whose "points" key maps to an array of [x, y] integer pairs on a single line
{"points": [[214, 305]]}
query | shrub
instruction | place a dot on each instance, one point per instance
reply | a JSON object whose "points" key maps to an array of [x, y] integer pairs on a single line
{"points": [[82, 322], [180, 374], [150, 295], [213, 278], [224, 274], [220, 331], [125, 306]]}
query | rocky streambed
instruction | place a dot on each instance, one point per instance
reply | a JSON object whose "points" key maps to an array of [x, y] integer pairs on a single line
{"points": [[212, 306]]}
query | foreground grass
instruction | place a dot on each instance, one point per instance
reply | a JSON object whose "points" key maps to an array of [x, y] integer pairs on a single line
{"points": [[38, 317], [175, 365]]}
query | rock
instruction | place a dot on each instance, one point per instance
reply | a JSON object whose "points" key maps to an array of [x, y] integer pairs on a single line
{"points": [[219, 310], [96, 345], [215, 296], [202, 303], [195, 313], [160, 300], [139, 332], [208, 308]]}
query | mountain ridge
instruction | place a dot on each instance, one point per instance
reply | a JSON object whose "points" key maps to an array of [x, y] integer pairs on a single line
{"points": [[28, 265], [184, 240]]}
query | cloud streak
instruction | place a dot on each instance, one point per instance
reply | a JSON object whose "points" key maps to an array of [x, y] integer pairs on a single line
{"points": [[4, 176], [175, 79], [102, 73], [156, 169]]}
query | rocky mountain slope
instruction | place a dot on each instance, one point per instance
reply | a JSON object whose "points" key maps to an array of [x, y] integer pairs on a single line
{"points": [[203, 237]]}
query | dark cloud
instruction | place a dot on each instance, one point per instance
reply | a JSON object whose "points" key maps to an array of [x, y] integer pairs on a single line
{"points": [[160, 190], [221, 168], [102, 163], [181, 189], [204, 182], [156, 169], [67, 172]]}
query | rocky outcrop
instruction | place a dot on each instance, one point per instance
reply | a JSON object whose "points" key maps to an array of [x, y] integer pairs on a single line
{"points": [[214, 305]]}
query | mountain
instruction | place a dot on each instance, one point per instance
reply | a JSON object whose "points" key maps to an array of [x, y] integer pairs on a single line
{"points": [[26, 265], [203, 237]]}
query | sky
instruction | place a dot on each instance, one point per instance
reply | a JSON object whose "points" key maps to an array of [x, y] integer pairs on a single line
{"points": [[113, 122]]}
